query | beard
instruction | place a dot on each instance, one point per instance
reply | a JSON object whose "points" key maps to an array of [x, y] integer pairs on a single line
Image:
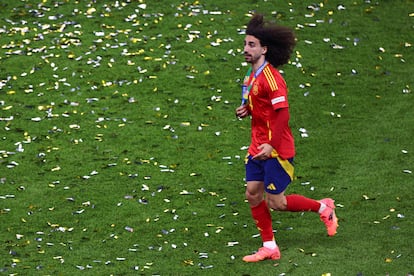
{"points": [[248, 58], [252, 59]]}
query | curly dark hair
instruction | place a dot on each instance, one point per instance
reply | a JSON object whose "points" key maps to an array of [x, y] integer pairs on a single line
{"points": [[279, 40]]}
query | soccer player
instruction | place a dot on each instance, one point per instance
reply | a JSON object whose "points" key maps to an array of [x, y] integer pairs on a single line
{"points": [[269, 162]]}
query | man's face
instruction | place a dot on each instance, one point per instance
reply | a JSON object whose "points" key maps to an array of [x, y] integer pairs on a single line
{"points": [[253, 50]]}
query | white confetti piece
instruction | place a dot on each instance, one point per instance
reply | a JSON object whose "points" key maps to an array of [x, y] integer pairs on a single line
{"points": [[303, 132], [233, 243], [12, 164], [341, 7], [7, 118], [129, 229], [337, 47]]}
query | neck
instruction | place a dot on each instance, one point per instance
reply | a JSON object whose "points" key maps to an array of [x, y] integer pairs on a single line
{"points": [[259, 63]]}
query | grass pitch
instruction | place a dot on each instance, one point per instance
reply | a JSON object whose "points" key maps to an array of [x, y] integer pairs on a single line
{"points": [[121, 155]]}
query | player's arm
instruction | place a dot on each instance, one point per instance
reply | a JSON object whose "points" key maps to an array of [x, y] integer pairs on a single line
{"points": [[279, 122]]}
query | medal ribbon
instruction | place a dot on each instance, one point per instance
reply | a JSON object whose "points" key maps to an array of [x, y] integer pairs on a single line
{"points": [[246, 86]]}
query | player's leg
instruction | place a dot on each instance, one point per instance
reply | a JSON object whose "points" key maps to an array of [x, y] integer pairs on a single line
{"points": [[324, 207], [254, 195], [260, 212], [263, 219], [260, 208], [278, 175]]}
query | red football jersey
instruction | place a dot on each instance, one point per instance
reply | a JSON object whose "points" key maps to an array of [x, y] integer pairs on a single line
{"points": [[267, 95]]}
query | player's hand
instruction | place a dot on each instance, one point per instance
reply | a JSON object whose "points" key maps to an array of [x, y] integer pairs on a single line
{"points": [[265, 152], [242, 111]]}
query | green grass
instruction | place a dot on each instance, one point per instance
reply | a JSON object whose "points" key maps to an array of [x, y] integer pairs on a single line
{"points": [[136, 128]]}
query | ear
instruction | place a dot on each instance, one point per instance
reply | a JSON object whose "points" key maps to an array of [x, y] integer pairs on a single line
{"points": [[264, 50]]}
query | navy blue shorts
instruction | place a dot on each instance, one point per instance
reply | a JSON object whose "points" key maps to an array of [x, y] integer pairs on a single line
{"points": [[276, 173]]}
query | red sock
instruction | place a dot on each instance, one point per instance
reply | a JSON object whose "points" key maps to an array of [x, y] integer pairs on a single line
{"points": [[263, 218], [298, 203]]}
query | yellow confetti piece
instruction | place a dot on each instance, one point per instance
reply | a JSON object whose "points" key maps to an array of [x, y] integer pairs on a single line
{"points": [[90, 11], [188, 262], [57, 168]]}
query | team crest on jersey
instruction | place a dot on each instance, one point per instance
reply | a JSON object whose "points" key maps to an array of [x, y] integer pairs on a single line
{"points": [[255, 89]]}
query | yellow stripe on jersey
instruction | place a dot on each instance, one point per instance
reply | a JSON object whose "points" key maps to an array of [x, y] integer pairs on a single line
{"points": [[270, 78]]}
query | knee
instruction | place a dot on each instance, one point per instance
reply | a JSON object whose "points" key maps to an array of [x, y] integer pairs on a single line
{"points": [[254, 198]]}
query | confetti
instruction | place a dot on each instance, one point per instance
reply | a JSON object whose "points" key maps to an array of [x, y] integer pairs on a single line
{"points": [[303, 133], [74, 87]]}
